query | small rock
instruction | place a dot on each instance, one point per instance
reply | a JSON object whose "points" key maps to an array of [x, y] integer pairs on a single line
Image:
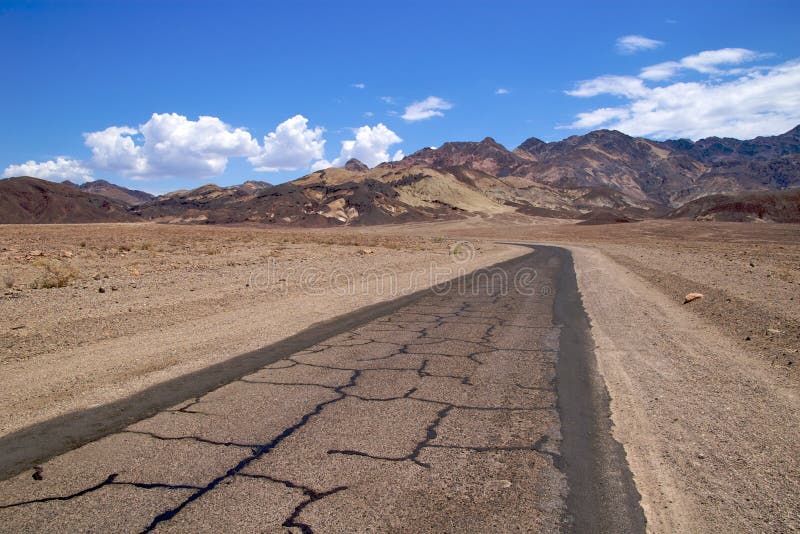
{"points": [[692, 296], [774, 331], [113, 288], [701, 456], [35, 253], [365, 251], [747, 338], [135, 272], [101, 290], [66, 253], [98, 276]]}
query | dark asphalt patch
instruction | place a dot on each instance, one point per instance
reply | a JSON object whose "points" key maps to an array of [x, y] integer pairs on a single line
{"points": [[38, 443], [602, 495]]}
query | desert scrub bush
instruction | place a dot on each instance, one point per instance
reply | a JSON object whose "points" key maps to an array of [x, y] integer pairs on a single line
{"points": [[8, 281], [55, 274], [145, 245]]}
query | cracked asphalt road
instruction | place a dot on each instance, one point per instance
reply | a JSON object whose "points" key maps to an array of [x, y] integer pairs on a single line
{"points": [[440, 416]]}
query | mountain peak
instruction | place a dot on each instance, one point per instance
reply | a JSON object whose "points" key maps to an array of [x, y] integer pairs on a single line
{"points": [[531, 144], [355, 165]]}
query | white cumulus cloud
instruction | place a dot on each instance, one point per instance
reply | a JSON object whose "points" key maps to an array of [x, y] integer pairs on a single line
{"points": [[743, 104], [114, 149], [425, 109], [170, 145], [59, 169], [501, 91], [630, 44], [370, 146], [293, 145]]}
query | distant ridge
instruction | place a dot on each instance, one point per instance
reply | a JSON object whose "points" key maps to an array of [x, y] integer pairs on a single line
{"points": [[604, 176], [104, 188], [31, 200]]}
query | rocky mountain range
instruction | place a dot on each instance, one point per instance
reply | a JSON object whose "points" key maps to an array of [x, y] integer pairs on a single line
{"points": [[602, 176]]}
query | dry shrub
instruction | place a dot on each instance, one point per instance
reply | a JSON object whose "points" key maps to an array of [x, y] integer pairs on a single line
{"points": [[55, 274], [8, 281]]}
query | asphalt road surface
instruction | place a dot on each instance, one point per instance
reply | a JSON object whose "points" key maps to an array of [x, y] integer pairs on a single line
{"points": [[476, 409]]}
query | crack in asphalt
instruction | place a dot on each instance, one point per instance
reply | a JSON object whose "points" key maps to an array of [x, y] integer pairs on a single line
{"points": [[109, 481], [258, 453], [435, 317], [311, 494]]}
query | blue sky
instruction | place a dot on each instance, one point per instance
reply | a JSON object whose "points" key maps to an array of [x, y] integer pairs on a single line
{"points": [[116, 90]]}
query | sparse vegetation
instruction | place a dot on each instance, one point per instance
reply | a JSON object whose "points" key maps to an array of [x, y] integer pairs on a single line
{"points": [[56, 274], [8, 281]]}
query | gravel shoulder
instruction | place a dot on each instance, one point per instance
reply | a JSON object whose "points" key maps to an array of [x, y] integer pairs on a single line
{"points": [[710, 435]]}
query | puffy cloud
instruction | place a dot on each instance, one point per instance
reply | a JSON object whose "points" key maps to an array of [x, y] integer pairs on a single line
{"points": [[177, 146], [114, 149], [359, 85], [172, 145], [371, 147], [59, 169], [630, 44], [501, 91], [293, 145], [765, 101], [425, 109], [627, 86]]}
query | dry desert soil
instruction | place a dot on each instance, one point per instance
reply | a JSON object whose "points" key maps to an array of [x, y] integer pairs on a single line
{"points": [[704, 395]]}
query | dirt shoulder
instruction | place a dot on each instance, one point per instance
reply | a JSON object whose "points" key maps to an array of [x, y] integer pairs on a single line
{"points": [[177, 299], [709, 433]]}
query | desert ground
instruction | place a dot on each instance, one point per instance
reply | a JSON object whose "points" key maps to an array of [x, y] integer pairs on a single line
{"points": [[704, 395], [141, 303]]}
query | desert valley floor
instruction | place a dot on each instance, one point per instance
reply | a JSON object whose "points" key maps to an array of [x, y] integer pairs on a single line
{"points": [[704, 396]]}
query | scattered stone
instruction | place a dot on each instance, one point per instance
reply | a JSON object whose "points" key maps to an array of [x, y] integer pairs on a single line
{"points": [[774, 331], [35, 253], [365, 251], [98, 276], [66, 253], [113, 288], [701, 456], [692, 296], [101, 290], [135, 272], [747, 338]]}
